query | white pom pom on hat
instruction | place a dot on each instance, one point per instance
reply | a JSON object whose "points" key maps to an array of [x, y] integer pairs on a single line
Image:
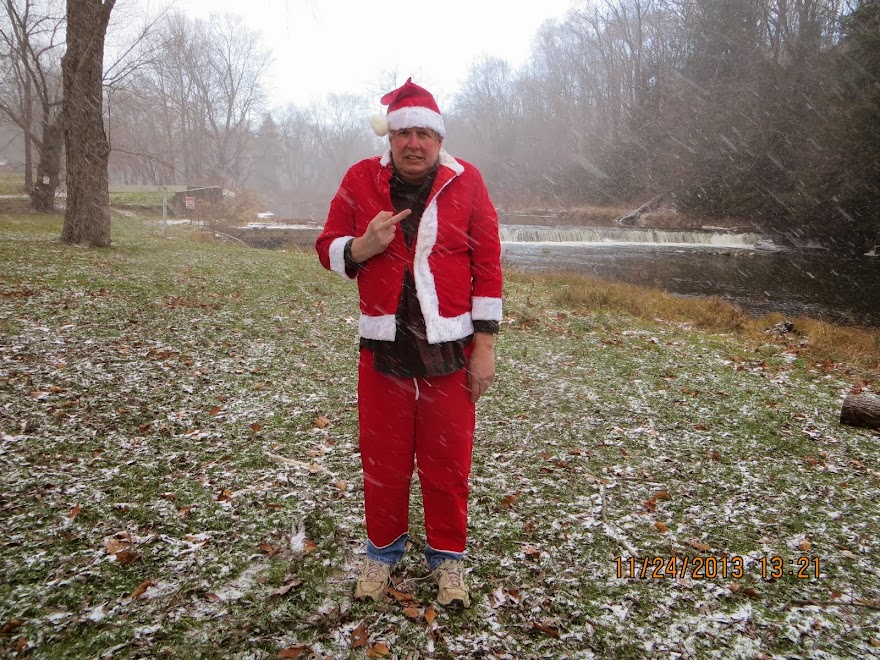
{"points": [[379, 124], [409, 106]]}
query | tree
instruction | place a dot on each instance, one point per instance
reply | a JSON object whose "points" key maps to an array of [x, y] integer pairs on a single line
{"points": [[30, 95], [87, 217]]}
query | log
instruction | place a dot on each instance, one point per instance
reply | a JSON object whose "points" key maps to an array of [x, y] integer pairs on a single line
{"points": [[632, 217], [861, 410]]}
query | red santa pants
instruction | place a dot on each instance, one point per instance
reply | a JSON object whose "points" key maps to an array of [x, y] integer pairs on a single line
{"points": [[403, 421]]}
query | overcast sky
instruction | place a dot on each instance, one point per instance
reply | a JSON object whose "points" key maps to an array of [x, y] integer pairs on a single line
{"points": [[324, 46]]}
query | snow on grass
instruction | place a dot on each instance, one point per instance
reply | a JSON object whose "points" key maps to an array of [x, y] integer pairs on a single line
{"points": [[179, 474]]}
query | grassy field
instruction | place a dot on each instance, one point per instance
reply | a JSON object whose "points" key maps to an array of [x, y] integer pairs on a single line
{"points": [[179, 473]]}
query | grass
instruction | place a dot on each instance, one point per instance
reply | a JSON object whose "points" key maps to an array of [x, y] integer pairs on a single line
{"points": [[170, 487]]}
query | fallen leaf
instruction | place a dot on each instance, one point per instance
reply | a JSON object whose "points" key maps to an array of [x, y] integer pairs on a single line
{"points": [[225, 495], [359, 636], [256, 428], [547, 630], [74, 512], [283, 591], [183, 511], [293, 651], [804, 546], [118, 543], [309, 545], [341, 485], [215, 410], [168, 496], [20, 645], [733, 586], [531, 552], [509, 500], [751, 592], [399, 596], [650, 504], [662, 495], [126, 557], [378, 650], [269, 550], [661, 526], [411, 612], [141, 588], [702, 547], [430, 614], [9, 626], [322, 422]]}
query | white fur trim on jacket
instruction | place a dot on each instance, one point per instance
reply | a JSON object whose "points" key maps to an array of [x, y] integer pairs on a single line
{"points": [[337, 255], [378, 327], [415, 116], [486, 309]]}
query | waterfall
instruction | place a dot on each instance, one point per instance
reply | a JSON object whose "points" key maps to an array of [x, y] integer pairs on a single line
{"points": [[611, 235]]}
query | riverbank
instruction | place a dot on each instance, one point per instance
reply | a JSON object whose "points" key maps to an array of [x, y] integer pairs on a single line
{"points": [[180, 472]]}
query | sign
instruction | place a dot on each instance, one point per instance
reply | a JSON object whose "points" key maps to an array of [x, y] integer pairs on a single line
{"points": [[190, 202]]}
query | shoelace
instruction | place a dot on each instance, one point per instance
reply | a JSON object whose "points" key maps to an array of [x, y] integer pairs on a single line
{"points": [[453, 575], [373, 572]]}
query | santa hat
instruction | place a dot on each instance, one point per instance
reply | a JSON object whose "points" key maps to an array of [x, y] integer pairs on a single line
{"points": [[409, 106]]}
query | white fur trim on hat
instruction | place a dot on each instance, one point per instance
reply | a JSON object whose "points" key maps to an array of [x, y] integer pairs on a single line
{"points": [[379, 124], [416, 116]]}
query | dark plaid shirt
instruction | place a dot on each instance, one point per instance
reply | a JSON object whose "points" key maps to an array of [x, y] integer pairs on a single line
{"points": [[410, 355]]}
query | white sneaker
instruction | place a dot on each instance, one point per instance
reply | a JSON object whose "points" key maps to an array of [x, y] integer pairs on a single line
{"points": [[449, 576], [374, 577]]}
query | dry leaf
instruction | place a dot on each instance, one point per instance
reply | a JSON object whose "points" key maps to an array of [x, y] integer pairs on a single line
{"points": [[293, 651], [126, 557], [20, 645], [309, 545], [168, 496], [751, 592], [269, 550], [661, 526], [702, 547], [733, 586], [322, 422], [399, 596], [430, 614], [509, 500], [283, 591], [411, 613], [225, 495], [118, 543], [804, 546], [662, 495], [341, 485], [215, 410], [378, 650], [183, 511], [531, 552], [650, 504], [547, 630], [359, 636], [141, 588], [9, 626], [256, 427], [74, 512]]}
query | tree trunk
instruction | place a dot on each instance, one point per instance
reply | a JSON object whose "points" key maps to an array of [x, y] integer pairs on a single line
{"points": [[87, 217], [48, 168], [861, 410]]}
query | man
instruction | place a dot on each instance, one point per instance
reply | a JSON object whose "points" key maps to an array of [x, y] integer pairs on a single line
{"points": [[417, 230]]}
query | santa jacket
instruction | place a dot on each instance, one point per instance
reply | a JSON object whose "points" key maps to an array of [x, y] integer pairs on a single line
{"points": [[455, 259]]}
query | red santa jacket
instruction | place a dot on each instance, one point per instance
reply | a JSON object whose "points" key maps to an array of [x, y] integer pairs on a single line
{"points": [[455, 259]]}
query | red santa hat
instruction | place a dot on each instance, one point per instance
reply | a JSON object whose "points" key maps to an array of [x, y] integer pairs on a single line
{"points": [[409, 106]]}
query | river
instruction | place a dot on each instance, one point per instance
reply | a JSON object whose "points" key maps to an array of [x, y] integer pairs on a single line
{"points": [[794, 282]]}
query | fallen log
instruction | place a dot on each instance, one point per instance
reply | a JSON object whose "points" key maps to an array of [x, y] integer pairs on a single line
{"points": [[632, 217], [861, 410]]}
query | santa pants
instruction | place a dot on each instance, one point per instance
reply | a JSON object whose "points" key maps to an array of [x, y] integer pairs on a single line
{"points": [[404, 421]]}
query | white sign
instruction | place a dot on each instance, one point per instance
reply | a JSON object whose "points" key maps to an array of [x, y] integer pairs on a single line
{"points": [[190, 202]]}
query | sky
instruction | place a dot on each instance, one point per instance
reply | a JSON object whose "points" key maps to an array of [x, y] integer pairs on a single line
{"points": [[334, 46]]}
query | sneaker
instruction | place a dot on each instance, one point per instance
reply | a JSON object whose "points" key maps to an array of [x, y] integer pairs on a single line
{"points": [[449, 576], [374, 577]]}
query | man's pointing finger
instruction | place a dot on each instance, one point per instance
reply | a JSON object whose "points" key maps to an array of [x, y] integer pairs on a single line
{"points": [[400, 216]]}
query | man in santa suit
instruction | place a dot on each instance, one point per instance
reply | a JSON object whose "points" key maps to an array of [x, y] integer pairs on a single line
{"points": [[416, 228]]}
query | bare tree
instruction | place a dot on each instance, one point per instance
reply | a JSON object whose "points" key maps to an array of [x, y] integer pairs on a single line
{"points": [[87, 216], [30, 92]]}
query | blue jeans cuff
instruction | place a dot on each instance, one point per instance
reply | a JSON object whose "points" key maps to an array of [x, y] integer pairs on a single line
{"points": [[389, 554], [437, 557]]}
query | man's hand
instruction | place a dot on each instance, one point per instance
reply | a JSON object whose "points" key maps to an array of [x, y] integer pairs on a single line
{"points": [[379, 234], [481, 367]]}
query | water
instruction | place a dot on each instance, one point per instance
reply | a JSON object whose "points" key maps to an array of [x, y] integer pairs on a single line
{"points": [[814, 283]]}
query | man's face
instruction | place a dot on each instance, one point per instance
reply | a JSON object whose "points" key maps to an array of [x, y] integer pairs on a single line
{"points": [[415, 152]]}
